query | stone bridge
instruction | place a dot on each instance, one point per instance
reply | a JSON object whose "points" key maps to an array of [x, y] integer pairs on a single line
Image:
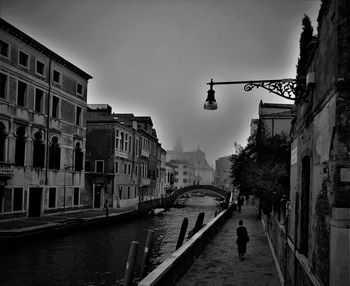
{"points": [[180, 192]]}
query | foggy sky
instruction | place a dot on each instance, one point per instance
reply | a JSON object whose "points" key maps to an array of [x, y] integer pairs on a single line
{"points": [[154, 58]]}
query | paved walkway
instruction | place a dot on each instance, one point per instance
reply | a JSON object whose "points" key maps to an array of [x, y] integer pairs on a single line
{"points": [[219, 263]]}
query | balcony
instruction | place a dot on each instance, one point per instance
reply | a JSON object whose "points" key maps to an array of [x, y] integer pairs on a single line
{"points": [[5, 170], [144, 153], [145, 182], [121, 154]]}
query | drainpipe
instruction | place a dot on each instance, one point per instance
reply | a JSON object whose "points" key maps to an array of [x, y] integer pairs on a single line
{"points": [[286, 244], [48, 125], [296, 235], [113, 162]]}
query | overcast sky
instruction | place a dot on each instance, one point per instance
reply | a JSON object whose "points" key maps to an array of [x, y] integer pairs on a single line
{"points": [[154, 58]]}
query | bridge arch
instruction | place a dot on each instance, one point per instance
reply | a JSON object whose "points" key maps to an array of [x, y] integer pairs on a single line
{"points": [[222, 193]]}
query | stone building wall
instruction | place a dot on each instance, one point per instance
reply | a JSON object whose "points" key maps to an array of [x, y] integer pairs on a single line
{"points": [[321, 136]]}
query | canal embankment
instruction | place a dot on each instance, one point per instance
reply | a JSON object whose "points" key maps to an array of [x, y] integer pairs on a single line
{"points": [[173, 268], [12, 231]]}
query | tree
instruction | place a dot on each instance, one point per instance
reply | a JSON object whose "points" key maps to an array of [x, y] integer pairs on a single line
{"points": [[262, 167], [306, 37]]}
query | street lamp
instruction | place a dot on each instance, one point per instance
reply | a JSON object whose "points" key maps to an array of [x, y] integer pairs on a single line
{"points": [[287, 88]]}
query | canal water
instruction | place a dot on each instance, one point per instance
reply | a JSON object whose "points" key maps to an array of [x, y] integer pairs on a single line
{"points": [[98, 256]]}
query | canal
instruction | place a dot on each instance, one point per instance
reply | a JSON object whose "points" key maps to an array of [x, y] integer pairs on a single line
{"points": [[98, 256]]}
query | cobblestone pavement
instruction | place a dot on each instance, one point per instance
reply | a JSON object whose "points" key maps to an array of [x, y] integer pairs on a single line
{"points": [[219, 263]]}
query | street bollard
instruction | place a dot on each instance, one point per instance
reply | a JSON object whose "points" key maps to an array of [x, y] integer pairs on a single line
{"points": [[147, 250], [182, 233], [130, 265]]}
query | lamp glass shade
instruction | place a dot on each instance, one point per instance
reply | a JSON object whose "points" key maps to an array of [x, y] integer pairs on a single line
{"points": [[210, 103]]}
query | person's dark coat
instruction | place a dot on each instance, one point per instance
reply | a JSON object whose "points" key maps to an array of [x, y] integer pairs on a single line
{"points": [[242, 239]]}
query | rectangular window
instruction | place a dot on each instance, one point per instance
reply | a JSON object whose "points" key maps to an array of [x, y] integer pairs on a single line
{"points": [[185, 173], [185, 180], [125, 168], [2, 191], [176, 180], [76, 196], [121, 144], [23, 59], [79, 89], [99, 167], [128, 192], [117, 139], [126, 142], [129, 169], [39, 96], [78, 116], [52, 198], [17, 199], [54, 156], [21, 93], [117, 167], [40, 68], [55, 105], [56, 77], [137, 147], [120, 193], [4, 49], [185, 166], [3, 84], [87, 166]]}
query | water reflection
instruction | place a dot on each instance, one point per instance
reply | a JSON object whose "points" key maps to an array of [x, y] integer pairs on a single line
{"points": [[98, 256]]}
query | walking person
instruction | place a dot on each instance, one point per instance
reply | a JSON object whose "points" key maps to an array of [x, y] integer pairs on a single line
{"points": [[105, 206], [239, 205], [242, 239]]}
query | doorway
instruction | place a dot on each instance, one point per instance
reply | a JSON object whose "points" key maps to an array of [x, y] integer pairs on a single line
{"points": [[35, 196], [305, 206], [97, 196]]}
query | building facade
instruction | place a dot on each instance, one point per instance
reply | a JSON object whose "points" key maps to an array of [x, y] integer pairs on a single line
{"points": [[42, 128], [162, 171], [169, 178], [124, 159], [184, 174], [112, 160], [222, 173], [203, 174], [276, 118], [150, 154], [319, 225]]}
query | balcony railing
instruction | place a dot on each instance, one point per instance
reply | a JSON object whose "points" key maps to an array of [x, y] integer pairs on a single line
{"points": [[144, 153], [121, 154], [5, 170], [145, 182]]}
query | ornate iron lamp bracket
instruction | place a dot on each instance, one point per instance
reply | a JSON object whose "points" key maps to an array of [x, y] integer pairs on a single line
{"points": [[287, 88]]}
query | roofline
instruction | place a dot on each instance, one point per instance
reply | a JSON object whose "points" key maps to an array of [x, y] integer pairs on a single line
{"points": [[280, 105], [12, 30]]}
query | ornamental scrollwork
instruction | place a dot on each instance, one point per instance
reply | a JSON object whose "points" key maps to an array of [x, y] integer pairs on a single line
{"points": [[285, 89]]}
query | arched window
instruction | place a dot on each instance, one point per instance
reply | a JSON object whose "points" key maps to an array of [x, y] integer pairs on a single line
{"points": [[20, 146], [54, 154], [78, 163], [305, 205], [38, 151], [122, 141], [2, 142]]}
